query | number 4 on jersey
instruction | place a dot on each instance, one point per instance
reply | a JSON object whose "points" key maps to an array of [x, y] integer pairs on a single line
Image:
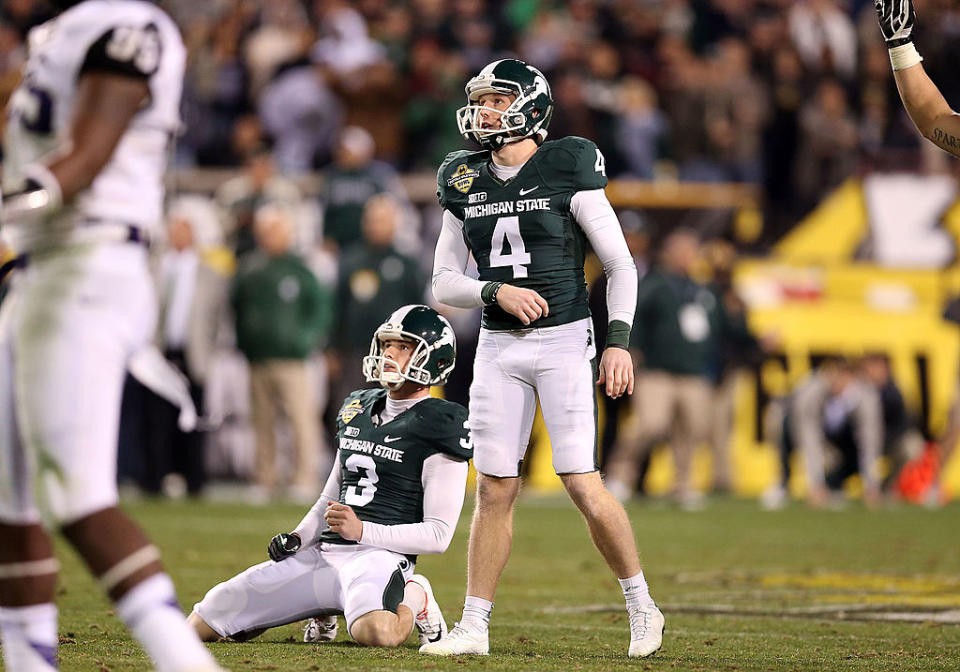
{"points": [[509, 228]]}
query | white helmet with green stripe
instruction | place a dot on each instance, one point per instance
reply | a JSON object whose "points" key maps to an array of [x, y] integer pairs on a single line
{"points": [[434, 354]]}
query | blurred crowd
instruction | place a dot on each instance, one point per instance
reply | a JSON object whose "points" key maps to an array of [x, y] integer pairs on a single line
{"points": [[789, 94], [269, 295]]}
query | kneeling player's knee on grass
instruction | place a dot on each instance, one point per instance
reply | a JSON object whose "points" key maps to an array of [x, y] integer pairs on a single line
{"points": [[204, 631], [376, 629]]}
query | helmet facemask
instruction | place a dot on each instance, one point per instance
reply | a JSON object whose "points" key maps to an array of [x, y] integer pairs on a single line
{"points": [[513, 122], [374, 364]]}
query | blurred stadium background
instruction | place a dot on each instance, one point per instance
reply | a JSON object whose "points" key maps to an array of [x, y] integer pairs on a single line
{"points": [[771, 127]]}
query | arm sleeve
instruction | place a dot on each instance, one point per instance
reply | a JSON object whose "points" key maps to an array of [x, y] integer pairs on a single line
{"points": [[313, 524], [596, 217], [450, 285], [444, 485]]}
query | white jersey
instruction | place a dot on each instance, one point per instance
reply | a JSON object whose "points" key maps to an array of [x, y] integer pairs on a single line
{"points": [[127, 36]]}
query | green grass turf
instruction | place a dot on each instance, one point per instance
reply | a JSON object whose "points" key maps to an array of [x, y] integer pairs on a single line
{"points": [[732, 555]]}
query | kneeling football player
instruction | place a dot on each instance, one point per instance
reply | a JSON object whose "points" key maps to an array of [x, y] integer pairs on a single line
{"points": [[395, 492]]}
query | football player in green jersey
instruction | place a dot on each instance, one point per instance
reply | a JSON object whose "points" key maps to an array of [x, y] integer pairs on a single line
{"points": [[395, 492], [526, 208]]}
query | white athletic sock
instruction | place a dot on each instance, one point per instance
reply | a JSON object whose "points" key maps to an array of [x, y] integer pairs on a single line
{"points": [[635, 591], [476, 614], [29, 637], [151, 612], [414, 597]]}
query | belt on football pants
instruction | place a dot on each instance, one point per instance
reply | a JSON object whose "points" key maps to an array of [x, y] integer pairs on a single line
{"points": [[121, 233]]}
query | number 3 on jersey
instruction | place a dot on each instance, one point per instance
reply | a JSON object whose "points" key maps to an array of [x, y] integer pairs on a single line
{"points": [[362, 493], [509, 228]]}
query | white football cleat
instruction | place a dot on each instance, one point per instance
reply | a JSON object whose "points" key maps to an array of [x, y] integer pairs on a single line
{"points": [[430, 624], [646, 630], [320, 629], [459, 641]]}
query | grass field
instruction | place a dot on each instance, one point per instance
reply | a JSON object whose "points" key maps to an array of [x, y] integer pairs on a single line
{"points": [[742, 589]]}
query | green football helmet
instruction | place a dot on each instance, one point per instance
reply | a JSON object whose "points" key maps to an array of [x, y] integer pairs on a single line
{"points": [[528, 116], [434, 354]]}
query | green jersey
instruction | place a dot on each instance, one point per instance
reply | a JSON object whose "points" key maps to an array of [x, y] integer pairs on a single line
{"points": [[344, 196], [381, 466], [521, 231]]}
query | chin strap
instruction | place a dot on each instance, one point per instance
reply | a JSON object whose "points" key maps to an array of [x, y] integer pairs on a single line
{"points": [[391, 384]]}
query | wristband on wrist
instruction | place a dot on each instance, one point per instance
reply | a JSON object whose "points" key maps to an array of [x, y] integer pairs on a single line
{"points": [[904, 56], [618, 334], [489, 293], [41, 195], [40, 174]]}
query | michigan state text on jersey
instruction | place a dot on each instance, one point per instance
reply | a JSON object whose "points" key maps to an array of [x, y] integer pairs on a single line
{"points": [[526, 208], [395, 492], [521, 231], [85, 150]]}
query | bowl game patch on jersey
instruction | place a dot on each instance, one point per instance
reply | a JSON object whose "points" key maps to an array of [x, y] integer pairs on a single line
{"points": [[462, 178], [351, 410]]}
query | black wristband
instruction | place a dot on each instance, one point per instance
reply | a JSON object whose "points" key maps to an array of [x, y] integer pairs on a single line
{"points": [[618, 334], [489, 293]]}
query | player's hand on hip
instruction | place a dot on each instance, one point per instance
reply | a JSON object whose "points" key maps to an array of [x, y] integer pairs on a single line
{"points": [[896, 20], [283, 546], [616, 372], [524, 304], [343, 521]]}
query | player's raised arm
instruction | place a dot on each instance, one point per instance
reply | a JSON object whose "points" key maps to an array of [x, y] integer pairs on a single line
{"points": [[923, 101]]}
